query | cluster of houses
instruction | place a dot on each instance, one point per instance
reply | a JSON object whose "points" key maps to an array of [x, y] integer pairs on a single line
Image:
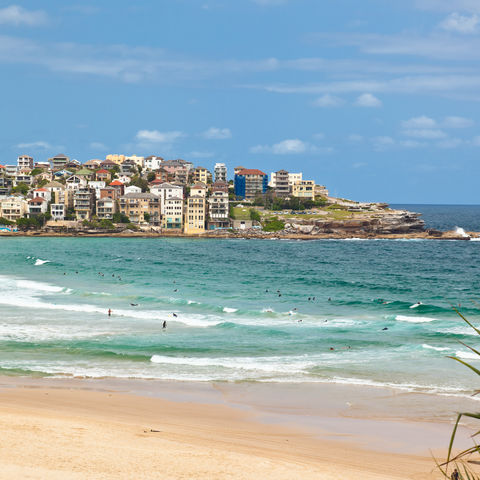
{"points": [[167, 194]]}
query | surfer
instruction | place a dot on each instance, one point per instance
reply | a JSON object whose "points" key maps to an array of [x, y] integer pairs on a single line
{"points": [[109, 313], [175, 315], [164, 326], [134, 304], [384, 328]]}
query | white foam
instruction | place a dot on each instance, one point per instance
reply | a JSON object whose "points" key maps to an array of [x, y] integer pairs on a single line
{"points": [[438, 349], [403, 318], [268, 310], [475, 239], [460, 231], [467, 355], [32, 286], [230, 310], [38, 262]]}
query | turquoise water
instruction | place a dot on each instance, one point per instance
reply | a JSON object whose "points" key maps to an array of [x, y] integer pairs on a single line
{"points": [[228, 327]]}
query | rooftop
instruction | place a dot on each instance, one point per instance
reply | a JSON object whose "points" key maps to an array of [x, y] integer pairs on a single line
{"points": [[251, 171]]}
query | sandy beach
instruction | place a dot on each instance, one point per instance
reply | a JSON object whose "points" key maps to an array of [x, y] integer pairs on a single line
{"points": [[79, 429]]}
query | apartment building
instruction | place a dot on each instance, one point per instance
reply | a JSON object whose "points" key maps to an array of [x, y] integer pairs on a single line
{"points": [[249, 183], [139, 207], [218, 211], [25, 162], [84, 203], [220, 171], [172, 214], [304, 189]]}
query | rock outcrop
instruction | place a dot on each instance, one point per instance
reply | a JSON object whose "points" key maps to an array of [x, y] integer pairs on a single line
{"points": [[394, 222]]}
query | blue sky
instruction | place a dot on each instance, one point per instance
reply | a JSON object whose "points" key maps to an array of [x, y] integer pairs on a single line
{"points": [[377, 99]]}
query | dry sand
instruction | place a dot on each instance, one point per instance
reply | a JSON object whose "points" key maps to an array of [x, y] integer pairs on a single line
{"points": [[66, 433]]}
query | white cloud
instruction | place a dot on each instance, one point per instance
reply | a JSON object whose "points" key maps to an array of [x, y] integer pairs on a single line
{"points": [[285, 147], [40, 145], [98, 146], [457, 122], [382, 143], [214, 133], [16, 15], [412, 144], [328, 100], [460, 23], [425, 133], [355, 138], [450, 143], [318, 136], [154, 136], [419, 122], [368, 100]]}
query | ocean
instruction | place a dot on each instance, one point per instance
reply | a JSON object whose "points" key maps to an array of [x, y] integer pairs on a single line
{"points": [[334, 311]]}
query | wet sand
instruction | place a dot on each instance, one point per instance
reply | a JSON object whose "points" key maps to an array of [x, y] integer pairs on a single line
{"points": [[71, 428]]}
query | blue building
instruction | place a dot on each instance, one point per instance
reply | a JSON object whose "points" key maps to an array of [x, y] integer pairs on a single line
{"points": [[249, 183]]}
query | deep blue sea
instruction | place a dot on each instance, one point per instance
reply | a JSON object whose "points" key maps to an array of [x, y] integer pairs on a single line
{"points": [[245, 310]]}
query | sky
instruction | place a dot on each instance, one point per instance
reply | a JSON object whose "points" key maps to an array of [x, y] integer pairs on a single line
{"points": [[376, 99]]}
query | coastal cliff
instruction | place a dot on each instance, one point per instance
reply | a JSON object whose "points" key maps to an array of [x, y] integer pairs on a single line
{"points": [[384, 223]]}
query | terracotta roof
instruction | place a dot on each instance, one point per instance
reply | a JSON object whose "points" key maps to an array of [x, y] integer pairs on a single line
{"points": [[116, 183], [198, 186], [41, 190], [103, 171], [37, 200], [250, 171]]}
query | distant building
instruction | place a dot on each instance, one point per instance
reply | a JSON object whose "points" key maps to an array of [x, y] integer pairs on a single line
{"points": [[140, 206], [97, 185], [103, 175], [119, 186], [107, 165], [220, 171], [219, 186], [74, 182], [292, 178], [218, 210], [238, 170], [138, 161], [58, 211], [172, 213], [92, 164], [58, 162], [166, 191], [106, 208], [25, 162], [132, 189], [321, 191], [37, 206], [153, 163], [249, 183], [116, 158], [195, 214], [13, 208], [201, 174], [84, 203], [282, 185], [43, 193], [304, 189]]}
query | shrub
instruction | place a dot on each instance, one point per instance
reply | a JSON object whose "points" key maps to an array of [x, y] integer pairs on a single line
{"points": [[273, 225]]}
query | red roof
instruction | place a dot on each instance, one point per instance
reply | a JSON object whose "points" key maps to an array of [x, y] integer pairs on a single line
{"points": [[41, 190], [2, 166], [157, 181], [250, 171], [116, 183], [37, 200], [103, 171]]}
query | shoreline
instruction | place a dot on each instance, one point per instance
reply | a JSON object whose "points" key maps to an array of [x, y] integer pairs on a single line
{"points": [[186, 430], [449, 235]]}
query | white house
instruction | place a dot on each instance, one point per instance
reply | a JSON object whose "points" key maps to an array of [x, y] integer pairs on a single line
{"points": [[37, 206], [43, 193], [153, 162], [97, 185], [165, 191], [75, 182], [58, 211], [132, 189], [125, 179]]}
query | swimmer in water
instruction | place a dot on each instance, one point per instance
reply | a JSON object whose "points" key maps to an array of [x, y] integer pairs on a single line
{"points": [[109, 313], [164, 326], [175, 315]]}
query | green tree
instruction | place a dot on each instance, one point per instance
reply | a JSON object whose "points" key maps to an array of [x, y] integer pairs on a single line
{"points": [[4, 221], [151, 177], [36, 171], [21, 188], [254, 215], [120, 218], [146, 217]]}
